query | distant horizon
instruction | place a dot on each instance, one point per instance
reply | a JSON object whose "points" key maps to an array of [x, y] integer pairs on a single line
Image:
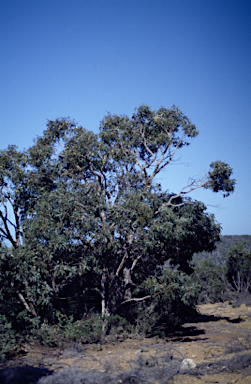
{"points": [[244, 234]]}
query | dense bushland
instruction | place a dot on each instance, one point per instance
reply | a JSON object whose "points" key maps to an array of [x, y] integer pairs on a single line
{"points": [[226, 275], [89, 238], [219, 255]]}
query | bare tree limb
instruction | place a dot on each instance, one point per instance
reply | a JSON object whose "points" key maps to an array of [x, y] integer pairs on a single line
{"points": [[125, 257], [135, 262], [195, 184], [135, 299]]}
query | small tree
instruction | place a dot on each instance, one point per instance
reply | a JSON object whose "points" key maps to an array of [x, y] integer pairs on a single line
{"points": [[239, 268], [212, 280]]}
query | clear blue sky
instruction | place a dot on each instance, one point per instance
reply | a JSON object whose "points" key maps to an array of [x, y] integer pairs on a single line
{"points": [[83, 58]]}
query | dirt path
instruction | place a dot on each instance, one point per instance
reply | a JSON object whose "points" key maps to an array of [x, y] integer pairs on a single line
{"points": [[218, 341]]}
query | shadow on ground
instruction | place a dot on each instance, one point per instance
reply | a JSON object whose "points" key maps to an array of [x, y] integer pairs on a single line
{"points": [[22, 375], [161, 364]]}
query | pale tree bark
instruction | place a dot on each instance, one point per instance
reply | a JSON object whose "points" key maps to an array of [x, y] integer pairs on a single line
{"points": [[104, 309], [15, 241], [30, 308]]}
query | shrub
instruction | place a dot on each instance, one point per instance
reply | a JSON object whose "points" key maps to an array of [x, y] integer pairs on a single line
{"points": [[87, 330], [211, 278], [173, 298], [8, 338], [239, 268], [91, 328]]}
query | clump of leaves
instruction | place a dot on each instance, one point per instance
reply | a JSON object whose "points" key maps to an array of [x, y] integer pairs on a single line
{"points": [[8, 338], [44, 333], [173, 297], [87, 330], [92, 328], [211, 278], [239, 268]]}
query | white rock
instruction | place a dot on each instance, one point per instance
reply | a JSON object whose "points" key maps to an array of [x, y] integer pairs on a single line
{"points": [[187, 364]]}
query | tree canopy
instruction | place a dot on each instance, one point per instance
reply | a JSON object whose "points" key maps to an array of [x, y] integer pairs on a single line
{"points": [[88, 222]]}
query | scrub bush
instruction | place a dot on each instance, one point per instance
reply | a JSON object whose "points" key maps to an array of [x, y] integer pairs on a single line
{"points": [[8, 338]]}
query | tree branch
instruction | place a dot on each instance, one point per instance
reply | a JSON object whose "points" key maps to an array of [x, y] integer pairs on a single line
{"points": [[121, 264], [135, 262], [135, 299], [195, 184]]}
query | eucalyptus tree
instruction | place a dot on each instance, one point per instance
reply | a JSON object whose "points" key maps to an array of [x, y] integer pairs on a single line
{"points": [[87, 206], [102, 196]]}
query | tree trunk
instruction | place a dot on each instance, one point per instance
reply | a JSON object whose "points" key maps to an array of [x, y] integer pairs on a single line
{"points": [[127, 284], [104, 310], [25, 304]]}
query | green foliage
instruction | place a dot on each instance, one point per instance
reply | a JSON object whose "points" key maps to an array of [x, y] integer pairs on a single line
{"points": [[219, 254], [87, 330], [173, 298], [239, 267], [92, 328], [224, 274], [45, 334], [181, 231], [219, 178], [88, 223], [8, 338], [211, 277]]}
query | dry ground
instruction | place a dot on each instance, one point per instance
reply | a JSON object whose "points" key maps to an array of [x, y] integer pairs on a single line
{"points": [[218, 341]]}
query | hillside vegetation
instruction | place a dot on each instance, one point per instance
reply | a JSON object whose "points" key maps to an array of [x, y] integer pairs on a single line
{"points": [[219, 254], [225, 273]]}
